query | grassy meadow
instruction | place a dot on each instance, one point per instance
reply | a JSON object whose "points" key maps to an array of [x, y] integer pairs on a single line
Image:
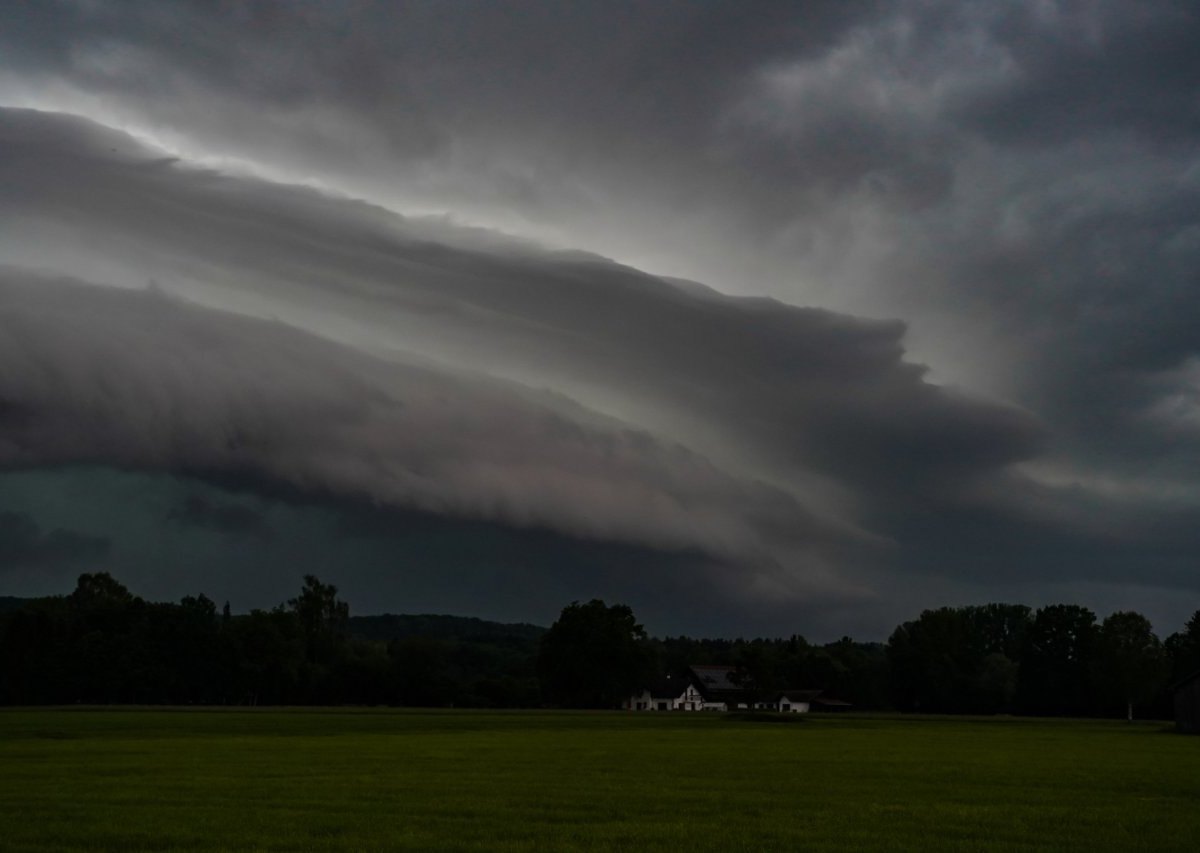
{"points": [[243, 780]]}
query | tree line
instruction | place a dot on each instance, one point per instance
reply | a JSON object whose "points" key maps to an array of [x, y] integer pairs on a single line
{"points": [[1056, 661], [989, 659], [102, 644], [596, 655]]}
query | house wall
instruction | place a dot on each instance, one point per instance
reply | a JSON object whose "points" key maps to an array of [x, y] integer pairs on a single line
{"points": [[689, 700], [639, 702], [646, 701], [1187, 706], [793, 707]]}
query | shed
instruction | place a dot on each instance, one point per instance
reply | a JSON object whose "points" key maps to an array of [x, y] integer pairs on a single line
{"points": [[788, 701], [1187, 704]]}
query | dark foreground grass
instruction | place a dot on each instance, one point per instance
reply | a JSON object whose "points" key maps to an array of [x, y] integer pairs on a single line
{"points": [[332, 780]]}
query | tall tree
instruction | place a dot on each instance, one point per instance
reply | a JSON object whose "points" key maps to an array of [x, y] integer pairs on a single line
{"points": [[1131, 661], [1055, 677], [322, 619], [998, 634], [934, 663], [100, 589], [1183, 647], [999, 628], [594, 656], [754, 672]]}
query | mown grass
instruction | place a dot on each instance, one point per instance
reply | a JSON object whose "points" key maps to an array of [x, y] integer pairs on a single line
{"points": [[384, 780]]}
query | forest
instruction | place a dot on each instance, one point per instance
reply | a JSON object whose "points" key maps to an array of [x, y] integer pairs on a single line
{"points": [[101, 644]]}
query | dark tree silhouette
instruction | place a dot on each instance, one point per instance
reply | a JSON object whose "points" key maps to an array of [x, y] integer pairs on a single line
{"points": [[100, 589], [593, 656], [754, 672], [1131, 661], [934, 662], [999, 628], [322, 619], [102, 644], [1183, 648], [1056, 666]]}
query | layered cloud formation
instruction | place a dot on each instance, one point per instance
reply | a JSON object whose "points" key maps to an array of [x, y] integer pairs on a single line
{"points": [[338, 252]]}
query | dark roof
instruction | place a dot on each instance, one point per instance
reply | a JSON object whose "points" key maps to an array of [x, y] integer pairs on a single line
{"points": [[672, 687], [715, 678], [796, 694], [714, 683], [1186, 680]]}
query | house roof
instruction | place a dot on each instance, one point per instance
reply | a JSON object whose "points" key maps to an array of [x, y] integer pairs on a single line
{"points": [[721, 679], [714, 683], [667, 688], [1183, 682], [715, 678], [796, 695], [828, 702]]}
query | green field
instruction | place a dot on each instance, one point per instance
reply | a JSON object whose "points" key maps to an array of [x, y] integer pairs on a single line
{"points": [[405, 780]]}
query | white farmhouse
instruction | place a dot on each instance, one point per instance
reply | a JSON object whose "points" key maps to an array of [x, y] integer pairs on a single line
{"points": [[718, 688], [672, 694]]}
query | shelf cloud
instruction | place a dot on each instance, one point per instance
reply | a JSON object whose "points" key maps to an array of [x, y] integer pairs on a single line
{"points": [[835, 304]]}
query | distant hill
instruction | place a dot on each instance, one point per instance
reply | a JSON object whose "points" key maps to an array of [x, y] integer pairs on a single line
{"points": [[109, 647], [392, 626]]}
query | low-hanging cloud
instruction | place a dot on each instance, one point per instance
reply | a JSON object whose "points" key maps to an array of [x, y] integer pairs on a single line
{"points": [[163, 385], [23, 544], [803, 391], [231, 519]]}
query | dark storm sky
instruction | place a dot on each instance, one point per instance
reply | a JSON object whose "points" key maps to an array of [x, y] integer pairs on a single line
{"points": [[761, 317]]}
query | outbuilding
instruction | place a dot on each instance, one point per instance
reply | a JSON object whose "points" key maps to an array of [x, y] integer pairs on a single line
{"points": [[788, 701], [1187, 704]]}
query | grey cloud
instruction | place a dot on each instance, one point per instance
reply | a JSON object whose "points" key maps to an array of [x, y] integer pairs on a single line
{"points": [[1126, 68], [776, 146], [388, 560], [166, 386], [233, 519], [529, 112], [23, 544], [823, 405], [552, 114], [755, 380], [1050, 255], [373, 52], [1079, 290]]}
